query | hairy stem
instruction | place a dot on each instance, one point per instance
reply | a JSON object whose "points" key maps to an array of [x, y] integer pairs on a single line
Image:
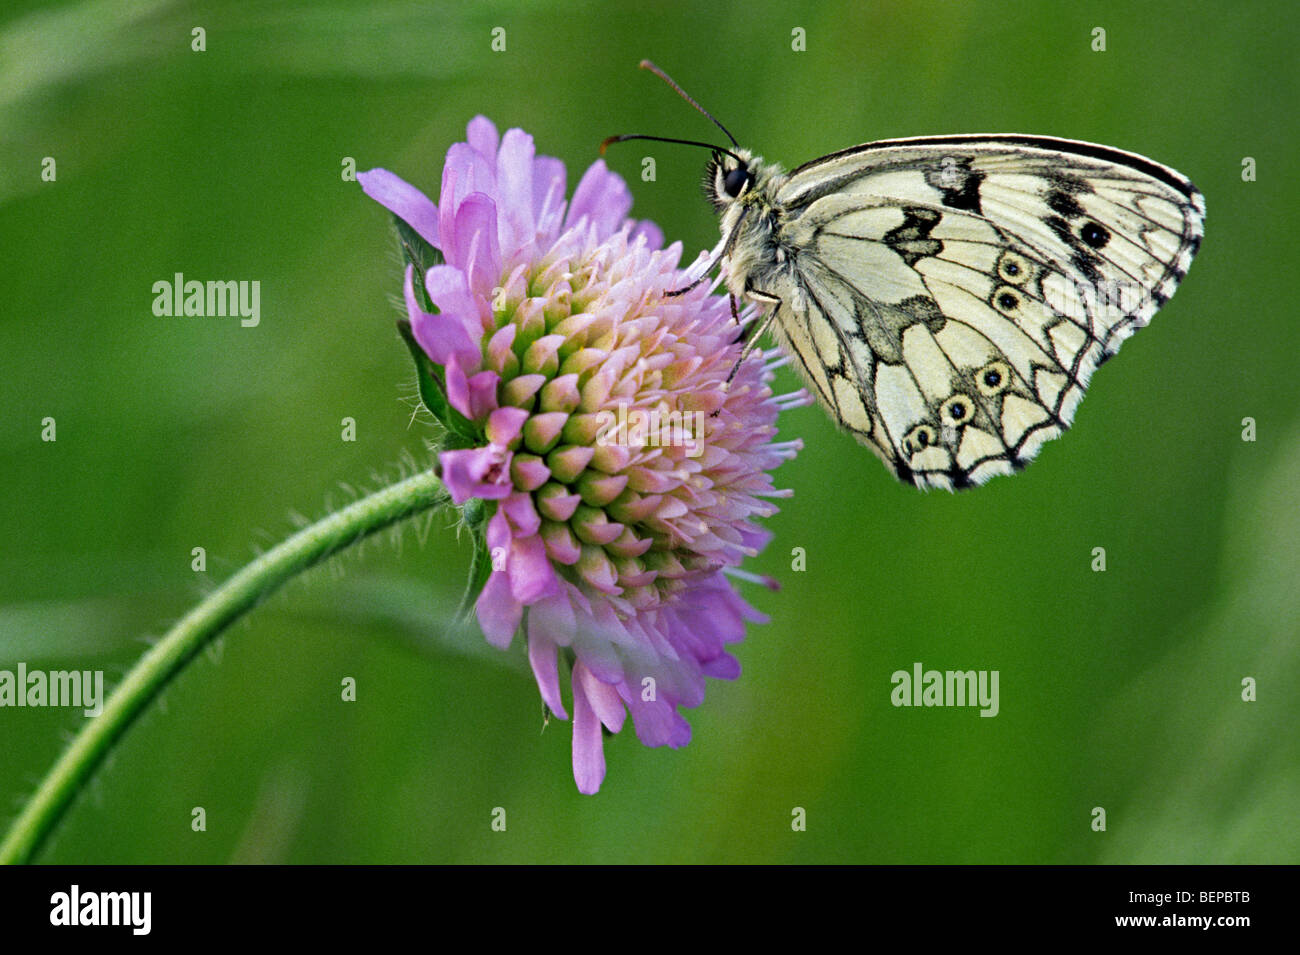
{"points": [[196, 629]]}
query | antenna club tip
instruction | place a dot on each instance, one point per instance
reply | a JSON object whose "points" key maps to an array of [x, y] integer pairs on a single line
{"points": [[604, 143], [647, 65]]}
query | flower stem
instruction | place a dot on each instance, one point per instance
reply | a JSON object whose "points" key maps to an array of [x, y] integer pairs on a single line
{"points": [[195, 630]]}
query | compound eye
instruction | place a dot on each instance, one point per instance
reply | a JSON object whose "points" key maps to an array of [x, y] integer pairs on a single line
{"points": [[736, 181]]}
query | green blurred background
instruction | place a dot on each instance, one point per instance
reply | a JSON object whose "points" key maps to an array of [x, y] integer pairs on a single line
{"points": [[1119, 689]]}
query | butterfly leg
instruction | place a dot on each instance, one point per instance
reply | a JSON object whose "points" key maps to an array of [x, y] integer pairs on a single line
{"points": [[718, 256], [755, 331], [682, 291], [751, 335]]}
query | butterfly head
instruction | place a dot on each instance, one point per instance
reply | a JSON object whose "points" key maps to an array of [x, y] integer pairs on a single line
{"points": [[727, 177], [734, 177]]}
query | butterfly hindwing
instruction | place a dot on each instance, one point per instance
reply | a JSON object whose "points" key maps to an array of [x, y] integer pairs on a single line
{"points": [[950, 297]]}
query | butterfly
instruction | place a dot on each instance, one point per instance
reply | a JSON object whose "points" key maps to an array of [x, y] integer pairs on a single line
{"points": [[947, 298]]}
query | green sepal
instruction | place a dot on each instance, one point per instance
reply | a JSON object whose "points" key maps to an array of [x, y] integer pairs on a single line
{"points": [[461, 432], [481, 568], [419, 253], [474, 512]]}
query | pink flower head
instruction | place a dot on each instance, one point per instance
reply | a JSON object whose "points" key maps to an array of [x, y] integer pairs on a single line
{"points": [[622, 474]]}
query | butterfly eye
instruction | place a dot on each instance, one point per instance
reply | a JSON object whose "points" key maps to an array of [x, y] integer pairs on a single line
{"points": [[993, 379], [956, 410], [918, 439], [736, 181]]}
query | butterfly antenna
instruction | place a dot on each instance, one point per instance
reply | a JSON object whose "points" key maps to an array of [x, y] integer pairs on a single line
{"points": [[647, 65], [666, 139]]}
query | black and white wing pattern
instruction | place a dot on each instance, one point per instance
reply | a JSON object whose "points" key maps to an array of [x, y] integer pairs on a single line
{"points": [[948, 298]]}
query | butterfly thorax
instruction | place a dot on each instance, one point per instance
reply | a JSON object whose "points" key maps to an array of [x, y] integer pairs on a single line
{"points": [[750, 221]]}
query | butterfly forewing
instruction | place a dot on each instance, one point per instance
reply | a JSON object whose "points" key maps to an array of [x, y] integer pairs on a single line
{"points": [[948, 298]]}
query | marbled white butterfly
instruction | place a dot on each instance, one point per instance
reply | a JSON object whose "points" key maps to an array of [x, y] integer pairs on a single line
{"points": [[947, 298]]}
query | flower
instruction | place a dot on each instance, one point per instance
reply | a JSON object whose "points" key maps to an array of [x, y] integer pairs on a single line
{"points": [[623, 474]]}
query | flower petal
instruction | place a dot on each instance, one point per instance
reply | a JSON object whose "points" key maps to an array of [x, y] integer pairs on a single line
{"points": [[505, 425], [588, 746], [465, 172], [477, 250], [498, 533], [531, 574], [521, 514], [476, 396], [515, 226], [476, 472], [657, 723], [602, 197], [542, 657], [448, 288], [548, 198], [483, 394], [604, 699], [554, 617], [441, 335], [499, 355], [498, 611], [457, 386], [403, 200], [722, 667], [481, 133], [651, 233]]}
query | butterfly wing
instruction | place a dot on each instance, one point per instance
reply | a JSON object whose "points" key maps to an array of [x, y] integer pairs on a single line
{"points": [[948, 298]]}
